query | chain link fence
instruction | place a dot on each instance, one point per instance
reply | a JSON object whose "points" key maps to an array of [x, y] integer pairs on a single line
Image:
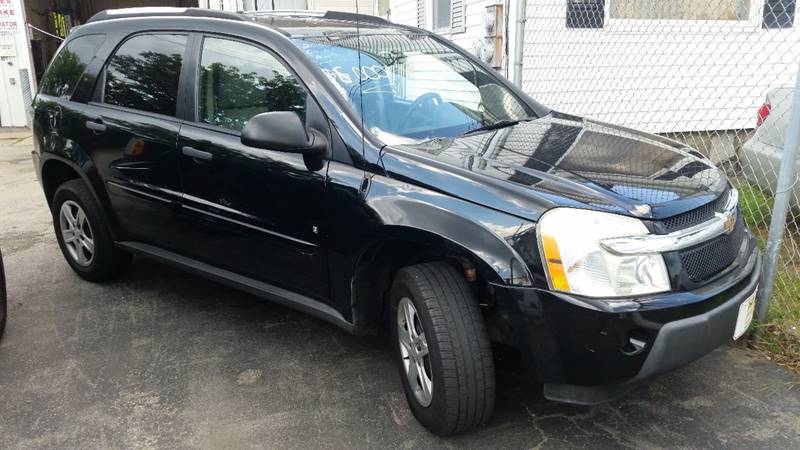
{"points": [[717, 75]]}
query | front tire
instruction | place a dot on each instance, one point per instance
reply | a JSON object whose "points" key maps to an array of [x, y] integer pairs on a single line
{"points": [[83, 236], [442, 348]]}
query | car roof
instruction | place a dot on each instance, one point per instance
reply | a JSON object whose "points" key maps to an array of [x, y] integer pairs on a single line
{"points": [[290, 23]]}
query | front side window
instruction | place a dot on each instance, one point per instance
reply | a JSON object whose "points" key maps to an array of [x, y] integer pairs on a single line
{"points": [[238, 81], [66, 69], [143, 74], [411, 87]]}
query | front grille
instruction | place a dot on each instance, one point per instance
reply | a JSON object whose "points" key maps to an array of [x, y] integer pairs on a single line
{"points": [[706, 260], [697, 215]]}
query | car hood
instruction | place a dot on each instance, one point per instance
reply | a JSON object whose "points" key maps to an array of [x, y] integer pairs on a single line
{"points": [[562, 160]]}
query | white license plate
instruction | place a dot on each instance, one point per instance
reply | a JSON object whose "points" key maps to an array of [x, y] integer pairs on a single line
{"points": [[745, 316]]}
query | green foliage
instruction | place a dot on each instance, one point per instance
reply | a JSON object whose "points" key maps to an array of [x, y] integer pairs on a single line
{"points": [[785, 305], [780, 337], [756, 206]]}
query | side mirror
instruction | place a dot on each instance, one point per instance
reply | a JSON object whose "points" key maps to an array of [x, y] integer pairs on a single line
{"points": [[282, 131]]}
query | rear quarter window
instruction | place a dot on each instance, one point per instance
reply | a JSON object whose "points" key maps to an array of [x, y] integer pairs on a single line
{"points": [[69, 65]]}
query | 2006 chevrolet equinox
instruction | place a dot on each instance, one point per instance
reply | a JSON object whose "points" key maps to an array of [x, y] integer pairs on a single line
{"points": [[382, 179]]}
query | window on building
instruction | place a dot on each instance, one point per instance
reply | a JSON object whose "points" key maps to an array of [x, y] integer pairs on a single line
{"points": [[144, 73], [70, 63], [441, 14], [585, 13], [238, 81], [680, 9], [778, 14]]}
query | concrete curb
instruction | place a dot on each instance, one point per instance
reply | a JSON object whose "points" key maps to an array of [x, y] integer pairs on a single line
{"points": [[14, 133]]}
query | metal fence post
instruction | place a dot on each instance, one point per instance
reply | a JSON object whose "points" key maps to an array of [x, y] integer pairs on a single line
{"points": [[783, 195], [520, 44]]}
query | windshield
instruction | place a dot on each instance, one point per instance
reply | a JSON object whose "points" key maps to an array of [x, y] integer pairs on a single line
{"points": [[410, 87]]}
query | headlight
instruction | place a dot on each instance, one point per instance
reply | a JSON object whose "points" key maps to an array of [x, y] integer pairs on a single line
{"points": [[574, 261]]}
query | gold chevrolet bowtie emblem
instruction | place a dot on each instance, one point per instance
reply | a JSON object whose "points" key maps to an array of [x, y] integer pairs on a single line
{"points": [[730, 222]]}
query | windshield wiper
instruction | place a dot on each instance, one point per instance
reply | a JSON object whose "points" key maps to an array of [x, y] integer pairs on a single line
{"points": [[494, 126]]}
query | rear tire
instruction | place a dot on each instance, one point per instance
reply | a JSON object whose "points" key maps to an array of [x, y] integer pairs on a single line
{"points": [[450, 386], [83, 236]]}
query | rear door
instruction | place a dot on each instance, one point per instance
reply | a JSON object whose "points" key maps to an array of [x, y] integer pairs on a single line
{"points": [[56, 113], [252, 211], [131, 130]]}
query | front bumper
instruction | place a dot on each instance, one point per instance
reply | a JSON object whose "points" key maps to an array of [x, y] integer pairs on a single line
{"points": [[589, 351]]}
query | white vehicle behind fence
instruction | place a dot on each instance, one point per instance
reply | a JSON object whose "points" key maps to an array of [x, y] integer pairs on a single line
{"points": [[762, 152]]}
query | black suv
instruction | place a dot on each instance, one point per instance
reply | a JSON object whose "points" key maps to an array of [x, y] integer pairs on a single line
{"points": [[382, 179]]}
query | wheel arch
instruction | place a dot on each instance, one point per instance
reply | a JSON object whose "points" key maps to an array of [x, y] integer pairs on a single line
{"points": [[377, 264], [420, 225], [57, 170]]}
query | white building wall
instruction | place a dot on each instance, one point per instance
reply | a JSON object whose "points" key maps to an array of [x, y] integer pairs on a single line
{"points": [[457, 88], [474, 10], [338, 5], [351, 6], [14, 59], [405, 12], [657, 75]]}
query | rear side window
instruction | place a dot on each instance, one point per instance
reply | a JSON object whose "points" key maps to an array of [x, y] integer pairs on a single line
{"points": [[70, 63], [238, 81], [143, 74]]}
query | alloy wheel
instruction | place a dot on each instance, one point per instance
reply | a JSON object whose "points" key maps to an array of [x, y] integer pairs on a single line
{"points": [[414, 351], [76, 233]]}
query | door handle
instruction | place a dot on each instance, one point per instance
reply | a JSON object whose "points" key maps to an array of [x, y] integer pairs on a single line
{"points": [[196, 154], [97, 126]]}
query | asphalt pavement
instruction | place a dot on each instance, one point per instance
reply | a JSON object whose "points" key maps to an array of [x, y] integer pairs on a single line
{"points": [[163, 359]]}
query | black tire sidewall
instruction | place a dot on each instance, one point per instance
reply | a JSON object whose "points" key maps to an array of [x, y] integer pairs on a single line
{"points": [[434, 414], [104, 247]]}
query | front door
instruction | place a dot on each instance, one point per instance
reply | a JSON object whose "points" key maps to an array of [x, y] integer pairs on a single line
{"points": [[131, 133], [252, 211]]}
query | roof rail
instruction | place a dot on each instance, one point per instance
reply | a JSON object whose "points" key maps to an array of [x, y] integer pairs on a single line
{"points": [[284, 13], [331, 15], [163, 11], [353, 17]]}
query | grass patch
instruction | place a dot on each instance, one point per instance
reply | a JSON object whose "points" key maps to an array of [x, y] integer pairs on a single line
{"points": [[780, 337], [756, 206]]}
